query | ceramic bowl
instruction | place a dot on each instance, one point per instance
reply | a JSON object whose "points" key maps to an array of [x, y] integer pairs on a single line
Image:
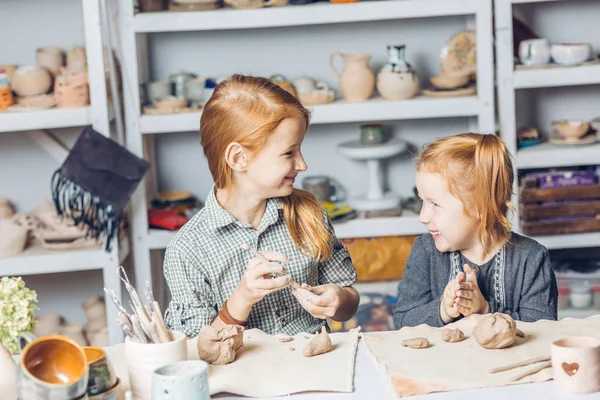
{"points": [[316, 97], [170, 102], [571, 129], [101, 375], [571, 53], [450, 81], [111, 394], [52, 367]]}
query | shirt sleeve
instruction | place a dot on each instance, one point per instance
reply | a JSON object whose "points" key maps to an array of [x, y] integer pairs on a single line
{"points": [[416, 304], [338, 268], [193, 304], [539, 297]]}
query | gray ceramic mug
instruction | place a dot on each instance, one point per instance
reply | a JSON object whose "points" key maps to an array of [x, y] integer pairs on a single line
{"points": [[182, 380]]}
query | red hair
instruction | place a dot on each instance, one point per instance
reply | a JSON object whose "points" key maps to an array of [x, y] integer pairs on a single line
{"points": [[479, 173], [246, 110]]}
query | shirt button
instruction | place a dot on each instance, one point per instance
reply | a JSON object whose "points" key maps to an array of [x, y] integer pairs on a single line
{"points": [[283, 322]]}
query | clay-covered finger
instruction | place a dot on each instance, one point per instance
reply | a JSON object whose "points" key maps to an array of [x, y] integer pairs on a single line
{"points": [[274, 283]]}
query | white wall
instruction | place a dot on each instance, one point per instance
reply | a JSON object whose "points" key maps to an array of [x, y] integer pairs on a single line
{"points": [[25, 169]]}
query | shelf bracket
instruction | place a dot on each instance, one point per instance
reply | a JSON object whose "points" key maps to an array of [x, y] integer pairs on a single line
{"points": [[52, 145]]}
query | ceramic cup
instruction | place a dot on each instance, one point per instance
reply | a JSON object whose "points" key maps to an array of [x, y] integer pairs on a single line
{"points": [[571, 53], [371, 134], [534, 52], [157, 89], [182, 380], [576, 364], [194, 89], [324, 188], [143, 358], [52, 368], [101, 374]]}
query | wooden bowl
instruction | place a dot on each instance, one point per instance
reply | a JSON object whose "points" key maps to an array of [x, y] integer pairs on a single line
{"points": [[571, 129], [450, 81]]}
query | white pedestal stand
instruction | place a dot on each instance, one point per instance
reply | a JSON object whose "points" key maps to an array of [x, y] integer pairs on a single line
{"points": [[375, 199]]}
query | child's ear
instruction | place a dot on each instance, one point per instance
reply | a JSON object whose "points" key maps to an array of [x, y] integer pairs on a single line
{"points": [[236, 157]]}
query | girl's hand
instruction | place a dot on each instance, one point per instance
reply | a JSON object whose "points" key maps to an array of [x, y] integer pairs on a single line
{"points": [[326, 304], [469, 299], [448, 307], [257, 282]]}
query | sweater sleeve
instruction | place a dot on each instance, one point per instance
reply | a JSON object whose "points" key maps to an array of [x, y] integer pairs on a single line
{"points": [[416, 304], [539, 297]]}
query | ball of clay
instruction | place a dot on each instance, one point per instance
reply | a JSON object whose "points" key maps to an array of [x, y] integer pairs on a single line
{"points": [[416, 343], [452, 335], [495, 331], [219, 346]]}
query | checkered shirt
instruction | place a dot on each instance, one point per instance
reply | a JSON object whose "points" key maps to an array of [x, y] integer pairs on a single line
{"points": [[205, 261]]}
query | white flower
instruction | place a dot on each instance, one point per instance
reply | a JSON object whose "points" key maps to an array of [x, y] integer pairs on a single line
{"points": [[16, 311]]}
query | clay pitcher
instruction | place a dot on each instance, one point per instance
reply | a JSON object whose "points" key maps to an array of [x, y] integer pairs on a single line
{"points": [[357, 81], [8, 371]]}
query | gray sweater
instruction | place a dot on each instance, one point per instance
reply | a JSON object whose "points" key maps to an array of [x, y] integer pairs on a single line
{"points": [[518, 281]]}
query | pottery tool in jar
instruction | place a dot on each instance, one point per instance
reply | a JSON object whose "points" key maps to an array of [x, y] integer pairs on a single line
{"points": [[297, 289]]}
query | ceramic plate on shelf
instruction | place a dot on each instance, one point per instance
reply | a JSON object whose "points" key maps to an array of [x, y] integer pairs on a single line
{"points": [[587, 139], [460, 53], [467, 91]]}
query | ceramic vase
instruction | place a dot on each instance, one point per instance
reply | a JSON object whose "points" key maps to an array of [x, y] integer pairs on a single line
{"points": [[31, 81], [356, 78], [576, 364], [397, 80], [143, 358]]}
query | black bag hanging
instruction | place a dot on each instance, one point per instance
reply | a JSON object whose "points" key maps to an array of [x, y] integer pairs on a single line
{"points": [[95, 183]]}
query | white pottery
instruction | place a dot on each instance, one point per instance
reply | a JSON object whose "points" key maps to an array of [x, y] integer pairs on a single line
{"points": [[571, 53], [534, 52], [576, 364], [31, 81], [397, 80]]}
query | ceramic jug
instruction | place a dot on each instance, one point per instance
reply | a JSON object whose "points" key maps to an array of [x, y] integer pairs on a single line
{"points": [[357, 81], [397, 80]]}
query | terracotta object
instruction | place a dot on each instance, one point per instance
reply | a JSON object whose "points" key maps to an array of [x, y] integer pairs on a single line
{"points": [[143, 358], [10, 70], [219, 346], [452, 335], [416, 343], [71, 90], [77, 60], [6, 98], [31, 81], [357, 80], [7, 377], [576, 364], [397, 80], [51, 58], [13, 238], [320, 344], [6, 208], [101, 374], [571, 130], [495, 331], [449, 81], [52, 367]]}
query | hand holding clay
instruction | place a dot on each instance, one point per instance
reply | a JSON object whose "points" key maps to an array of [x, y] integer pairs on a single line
{"points": [[220, 346], [448, 306], [325, 301], [320, 344], [495, 331], [469, 299], [257, 282]]}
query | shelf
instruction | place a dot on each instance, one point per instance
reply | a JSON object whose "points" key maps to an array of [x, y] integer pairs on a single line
{"points": [[533, 1], [547, 155], [361, 227], [46, 119], [375, 109], [570, 241], [552, 77], [577, 312], [310, 14]]}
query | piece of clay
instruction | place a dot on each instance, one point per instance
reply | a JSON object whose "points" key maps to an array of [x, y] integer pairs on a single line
{"points": [[519, 364], [292, 349], [532, 371], [320, 344], [520, 333], [416, 343], [219, 346], [452, 335], [306, 337], [495, 331], [286, 339], [303, 292]]}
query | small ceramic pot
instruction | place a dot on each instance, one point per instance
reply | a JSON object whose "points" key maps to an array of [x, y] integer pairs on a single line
{"points": [[179, 79], [571, 53], [94, 308], [323, 188], [397, 80], [101, 374], [194, 89], [143, 358], [77, 60], [51, 58], [158, 89], [31, 81], [371, 134], [576, 364], [52, 368], [72, 91], [182, 380], [534, 52]]}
